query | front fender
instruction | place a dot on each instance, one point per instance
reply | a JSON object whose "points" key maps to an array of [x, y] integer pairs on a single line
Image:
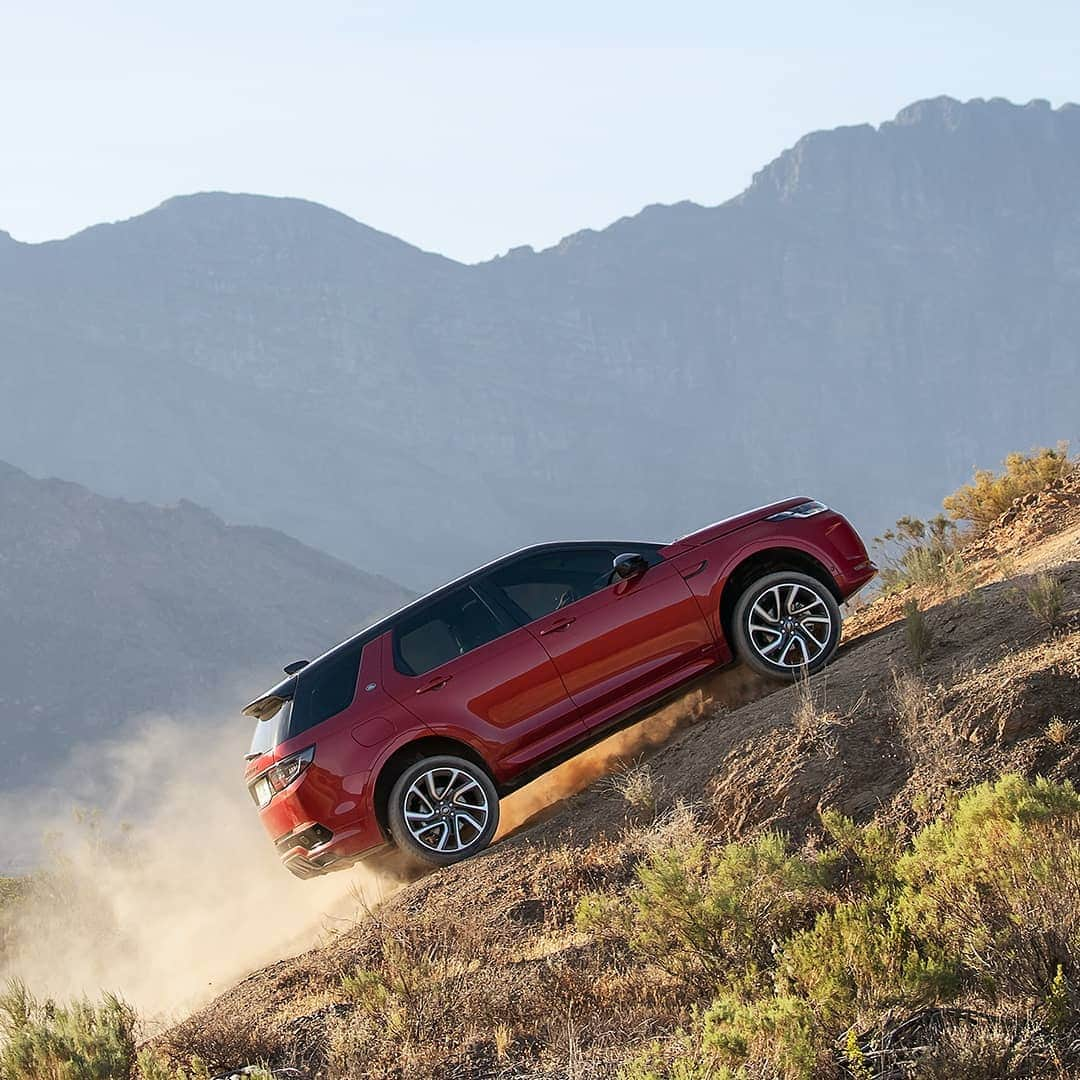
{"points": [[723, 558]]}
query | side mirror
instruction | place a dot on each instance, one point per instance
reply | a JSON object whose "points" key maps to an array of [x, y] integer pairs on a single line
{"points": [[629, 564]]}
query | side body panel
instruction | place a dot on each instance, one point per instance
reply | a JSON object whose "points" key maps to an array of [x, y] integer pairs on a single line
{"points": [[505, 699], [627, 643]]}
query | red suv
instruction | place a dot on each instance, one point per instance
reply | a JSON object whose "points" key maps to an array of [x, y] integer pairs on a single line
{"points": [[409, 732]]}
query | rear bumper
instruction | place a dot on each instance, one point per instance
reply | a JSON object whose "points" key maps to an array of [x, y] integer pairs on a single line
{"points": [[323, 822], [311, 850]]}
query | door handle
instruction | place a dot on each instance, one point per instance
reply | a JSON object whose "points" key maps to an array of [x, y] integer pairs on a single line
{"points": [[559, 627], [435, 684]]}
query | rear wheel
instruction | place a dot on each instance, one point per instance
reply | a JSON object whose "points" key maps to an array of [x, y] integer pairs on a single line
{"points": [[786, 623], [443, 809]]}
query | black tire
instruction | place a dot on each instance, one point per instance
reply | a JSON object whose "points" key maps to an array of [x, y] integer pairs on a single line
{"points": [[461, 804], [807, 623]]}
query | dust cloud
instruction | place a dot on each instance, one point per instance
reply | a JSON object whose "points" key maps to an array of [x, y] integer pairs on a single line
{"points": [[727, 689], [164, 887]]}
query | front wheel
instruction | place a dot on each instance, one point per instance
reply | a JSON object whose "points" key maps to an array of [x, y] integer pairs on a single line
{"points": [[443, 809], [786, 623]]}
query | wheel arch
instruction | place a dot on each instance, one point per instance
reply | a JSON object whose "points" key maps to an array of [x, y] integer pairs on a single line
{"points": [[765, 561], [411, 752]]}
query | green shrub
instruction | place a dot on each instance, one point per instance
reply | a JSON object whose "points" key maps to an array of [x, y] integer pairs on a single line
{"points": [[996, 883], [862, 955], [41, 1040], [678, 1058], [980, 907], [990, 494], [702, 916], [780, 1030], [152, 1067], [872, 849]]}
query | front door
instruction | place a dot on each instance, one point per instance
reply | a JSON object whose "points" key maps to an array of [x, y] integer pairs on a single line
{"points": [[615, 645], [468, 673]]}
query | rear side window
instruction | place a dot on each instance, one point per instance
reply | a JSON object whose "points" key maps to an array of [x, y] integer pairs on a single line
{"points": [[541, 584], [324, 690], [446, 630]]}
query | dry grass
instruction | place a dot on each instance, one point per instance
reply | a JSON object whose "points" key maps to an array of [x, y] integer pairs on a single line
{"points": [[1045, 597], [636, 785], [1057, 731], [917, 632], [914, 701]]}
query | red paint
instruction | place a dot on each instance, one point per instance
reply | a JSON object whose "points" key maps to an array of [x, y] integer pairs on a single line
{"points": [[532, 693]]}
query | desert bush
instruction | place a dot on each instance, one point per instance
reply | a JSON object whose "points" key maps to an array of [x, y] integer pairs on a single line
{"points": [[427, 984], [869, 852], [863, 955], [780, 1030], [701, 916], [815, 726], [1058, 731], [990, 494], [917, 632], [208, 1043], [996, 883], [983, 904], [42, 1040], [153, 1067], [1044, 595], [919, 553], [680, 1057]]}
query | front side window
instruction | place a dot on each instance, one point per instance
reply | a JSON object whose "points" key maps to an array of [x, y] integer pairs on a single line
{"points": [[444, 631], [540, 584]]}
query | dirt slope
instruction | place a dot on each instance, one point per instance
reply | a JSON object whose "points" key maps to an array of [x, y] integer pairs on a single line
{"points": [[506, 987]]}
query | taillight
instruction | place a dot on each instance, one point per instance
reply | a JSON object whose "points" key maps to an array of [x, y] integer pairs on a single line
{"points": [[280, 775]]}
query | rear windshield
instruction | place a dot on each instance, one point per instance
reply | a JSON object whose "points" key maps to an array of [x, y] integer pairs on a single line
{"points": [[322, 691], [271, 731]]}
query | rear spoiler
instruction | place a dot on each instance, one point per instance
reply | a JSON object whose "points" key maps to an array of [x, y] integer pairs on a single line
{"points": [[264, 706]]}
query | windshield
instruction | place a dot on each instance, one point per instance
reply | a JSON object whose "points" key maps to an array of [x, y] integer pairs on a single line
{"points": [[270, 731]]}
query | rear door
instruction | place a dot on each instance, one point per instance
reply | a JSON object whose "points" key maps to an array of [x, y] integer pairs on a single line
{"points": [[470, 673], [615, 645]]}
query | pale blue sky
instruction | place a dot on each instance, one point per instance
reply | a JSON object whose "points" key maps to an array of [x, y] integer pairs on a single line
{"points": [[470, 127]]}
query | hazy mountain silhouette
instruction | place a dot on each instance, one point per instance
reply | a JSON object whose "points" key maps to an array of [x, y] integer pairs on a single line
{"points": [[111, 608], [880, 310]]}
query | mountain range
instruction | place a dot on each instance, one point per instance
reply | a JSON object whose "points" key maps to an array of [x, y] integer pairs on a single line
{"points": [[883, 308]]}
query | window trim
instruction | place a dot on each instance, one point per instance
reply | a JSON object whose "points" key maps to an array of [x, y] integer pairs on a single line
{"points": [[401, 666]]}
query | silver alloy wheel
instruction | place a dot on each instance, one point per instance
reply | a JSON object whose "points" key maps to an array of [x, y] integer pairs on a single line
{"points": [[446, 810], [790, 625]]}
